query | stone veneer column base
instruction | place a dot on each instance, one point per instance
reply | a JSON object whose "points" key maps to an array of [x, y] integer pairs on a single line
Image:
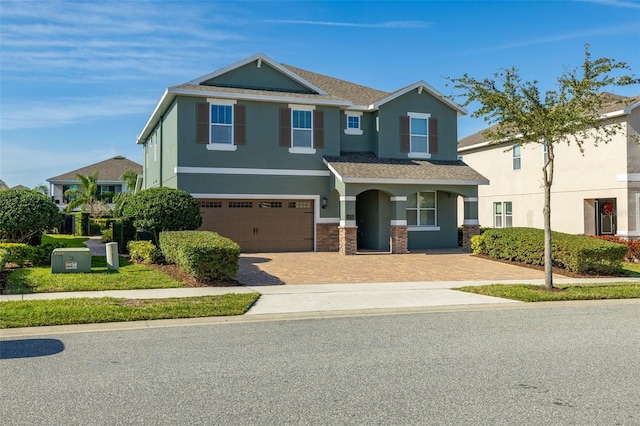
{"points": [[327, 237], [399, 239], [348, 240], [468, 231]]}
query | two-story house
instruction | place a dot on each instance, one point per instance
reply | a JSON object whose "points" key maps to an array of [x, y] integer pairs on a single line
{"points": [[109, 179], [594, 193], [283, 159]]}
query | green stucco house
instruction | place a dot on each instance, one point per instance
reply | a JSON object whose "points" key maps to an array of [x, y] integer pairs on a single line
{"points": [[283, 159]]}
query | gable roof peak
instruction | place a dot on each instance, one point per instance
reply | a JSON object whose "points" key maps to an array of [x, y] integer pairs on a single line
{"points": [[259, 58]]}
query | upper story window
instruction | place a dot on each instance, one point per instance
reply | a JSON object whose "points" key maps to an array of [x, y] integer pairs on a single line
{"points": [[301, 129], [353, 123], [422, 209], [418, 135], [517, 159], [301, 133], [220, 124]]}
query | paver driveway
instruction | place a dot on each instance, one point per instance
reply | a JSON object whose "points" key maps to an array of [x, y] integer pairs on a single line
{"points": [[334, 268]]}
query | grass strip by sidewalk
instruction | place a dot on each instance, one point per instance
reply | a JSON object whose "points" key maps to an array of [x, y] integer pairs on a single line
{"points": [[129, 276], [537, 293], [70, 241], [37, 313]]}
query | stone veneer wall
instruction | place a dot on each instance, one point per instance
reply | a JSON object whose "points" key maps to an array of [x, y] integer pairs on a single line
{"points": [[468, 231], [399, 239], [348, 240], [327, 237]]}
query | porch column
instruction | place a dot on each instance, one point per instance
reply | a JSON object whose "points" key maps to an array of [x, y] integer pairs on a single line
{"points": [[348, 231], [471, 225], [398, 232]]}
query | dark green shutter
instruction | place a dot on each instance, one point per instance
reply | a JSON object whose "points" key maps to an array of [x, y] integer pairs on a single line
{"points": [[202, 123], [318, 129], [405, 136], [433, 136], [239, 125], [285, 127]]}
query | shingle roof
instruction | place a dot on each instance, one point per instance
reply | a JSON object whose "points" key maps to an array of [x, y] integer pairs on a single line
{"points": [[356, 93], [616, 103], [255, 92], [19, 187], [110, 170], [363, 166]]}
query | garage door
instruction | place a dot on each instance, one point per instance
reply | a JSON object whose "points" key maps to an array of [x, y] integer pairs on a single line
{"points": [[261, 225]]}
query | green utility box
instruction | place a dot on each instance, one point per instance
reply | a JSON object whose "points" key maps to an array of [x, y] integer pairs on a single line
{"points": [[70, 260]]}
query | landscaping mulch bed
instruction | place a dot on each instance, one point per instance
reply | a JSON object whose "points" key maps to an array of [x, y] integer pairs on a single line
{"points": [[178, 274]]}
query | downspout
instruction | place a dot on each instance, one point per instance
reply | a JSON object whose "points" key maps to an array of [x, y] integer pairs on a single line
{"points": [[161, 147]]}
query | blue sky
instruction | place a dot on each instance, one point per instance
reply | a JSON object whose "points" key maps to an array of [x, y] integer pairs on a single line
{"points": [[80, 79]]}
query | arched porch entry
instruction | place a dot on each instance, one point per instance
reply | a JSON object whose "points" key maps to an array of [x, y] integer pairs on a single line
{"points": [[373, 215]]}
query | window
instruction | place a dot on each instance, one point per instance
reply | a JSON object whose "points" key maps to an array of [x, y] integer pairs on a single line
{"points": [[301, 133], [515, 152], [422, 209], [545, 154], [353, 123], [418, 133], [221, 124], [502, 215]]}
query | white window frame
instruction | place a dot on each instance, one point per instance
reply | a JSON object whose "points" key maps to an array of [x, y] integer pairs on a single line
{"points": [[516, 159], [418, 209], [545, 154], [503, 215], [419, 154], [353, 130], [302, 149], [217, 146]]}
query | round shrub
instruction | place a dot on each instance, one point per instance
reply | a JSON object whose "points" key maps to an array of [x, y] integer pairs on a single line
{"points": [[25, 214], [163, 209]]}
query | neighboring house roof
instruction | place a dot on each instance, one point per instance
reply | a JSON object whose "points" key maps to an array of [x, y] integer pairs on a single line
{"points": [[19, 187], [324, 90], [617, 105], [364, 167], [3, 186], [108, 170]]}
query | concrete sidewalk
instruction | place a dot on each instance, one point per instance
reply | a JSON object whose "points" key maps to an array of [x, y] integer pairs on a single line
{"points": [[285, 299]]}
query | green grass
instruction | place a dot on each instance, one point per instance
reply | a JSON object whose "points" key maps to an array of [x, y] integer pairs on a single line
{"points": [[86, 311], [70, 241], [631, 269], [537, 293], [129, 276]]}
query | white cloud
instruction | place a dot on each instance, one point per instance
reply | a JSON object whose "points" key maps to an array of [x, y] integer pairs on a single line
{"points": [[64, 111], [615, 3], [387, 24]]}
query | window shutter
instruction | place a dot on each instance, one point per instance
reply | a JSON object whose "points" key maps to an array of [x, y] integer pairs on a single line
{"points": [[239, 125], [202, 123], [405, 137], [285, 127], [318, 129], [433, 136]]}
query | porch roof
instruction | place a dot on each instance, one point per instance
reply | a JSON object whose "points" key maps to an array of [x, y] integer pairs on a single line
{"points": [[365, 167]]}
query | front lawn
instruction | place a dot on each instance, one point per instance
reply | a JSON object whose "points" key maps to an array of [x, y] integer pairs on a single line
{"points": [[537, 293], [70, 241], [129, 276], [86, 311]]}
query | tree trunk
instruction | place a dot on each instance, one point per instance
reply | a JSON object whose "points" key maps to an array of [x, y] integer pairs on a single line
{"points": [[548, 270]]}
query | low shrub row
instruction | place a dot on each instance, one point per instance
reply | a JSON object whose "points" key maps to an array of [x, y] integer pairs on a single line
{"points": [[633, 246], [144, 251], [204, 255], [575, 253], [21, 254], [4, 257]]}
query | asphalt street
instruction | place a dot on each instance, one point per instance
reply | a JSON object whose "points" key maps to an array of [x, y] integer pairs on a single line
{"points": [[550, 365]]}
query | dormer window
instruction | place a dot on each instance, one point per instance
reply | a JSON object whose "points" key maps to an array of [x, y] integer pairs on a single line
{"points": [[353, 123]]}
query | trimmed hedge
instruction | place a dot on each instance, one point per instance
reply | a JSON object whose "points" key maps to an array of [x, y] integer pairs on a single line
{"points": [[204, 255], [575, 253], [4, 257], [144, 251], [633, 246], [20, 254]]}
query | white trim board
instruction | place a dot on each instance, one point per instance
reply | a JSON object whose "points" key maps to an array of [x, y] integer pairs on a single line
{"points": [[248, 171]]}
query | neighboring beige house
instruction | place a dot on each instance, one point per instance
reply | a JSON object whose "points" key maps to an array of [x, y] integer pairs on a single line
{"points": [[595, 193], [109, 172]]}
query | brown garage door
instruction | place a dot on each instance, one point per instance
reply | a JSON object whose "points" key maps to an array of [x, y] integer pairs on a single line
{"points": [[261, 225]]}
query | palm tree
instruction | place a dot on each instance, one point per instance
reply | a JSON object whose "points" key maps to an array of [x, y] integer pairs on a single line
{"points": [[86, 196], [130, 177], [42, 189]]}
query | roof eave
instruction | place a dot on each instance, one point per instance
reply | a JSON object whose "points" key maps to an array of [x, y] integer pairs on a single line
{"points": [[166, 100], [264, 98]]}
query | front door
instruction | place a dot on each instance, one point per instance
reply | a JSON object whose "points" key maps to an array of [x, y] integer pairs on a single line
{"points": [[606, 216]]}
